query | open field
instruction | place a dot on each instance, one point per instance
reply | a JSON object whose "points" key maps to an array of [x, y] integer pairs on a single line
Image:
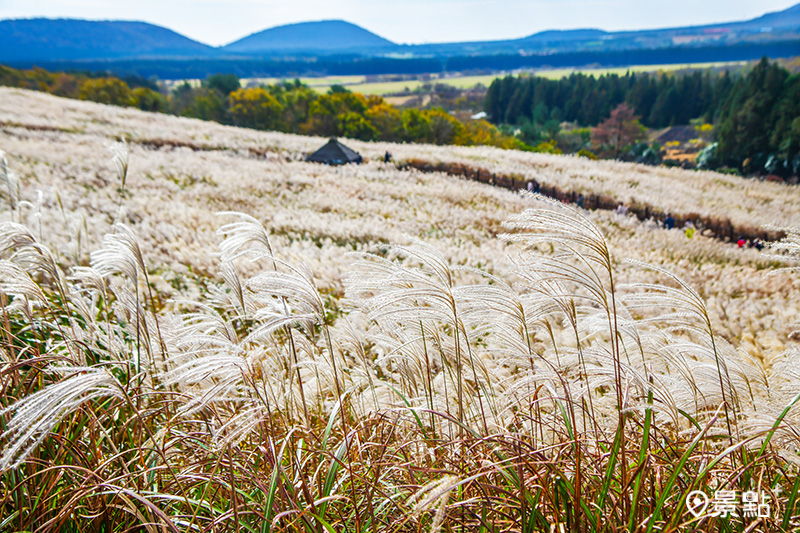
{"points": [[321, 84], [361, 348], [555, 74], [392, 87], [361, 85]]}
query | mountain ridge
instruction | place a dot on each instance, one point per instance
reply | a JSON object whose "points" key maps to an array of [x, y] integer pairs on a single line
{"points": [[76, 39], [26, 41], [328, 35]]}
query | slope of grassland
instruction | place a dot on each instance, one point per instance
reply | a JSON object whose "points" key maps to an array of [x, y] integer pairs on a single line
{"points": [[500, 368], [182, 171]]}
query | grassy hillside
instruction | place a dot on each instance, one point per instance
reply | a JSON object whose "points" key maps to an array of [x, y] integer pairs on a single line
{"points": [[362, 348]]}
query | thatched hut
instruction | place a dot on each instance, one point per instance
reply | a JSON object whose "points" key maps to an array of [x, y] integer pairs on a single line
{"points": [[335, 153]]}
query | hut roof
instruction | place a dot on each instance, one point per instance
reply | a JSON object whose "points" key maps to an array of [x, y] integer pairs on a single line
{"points": [[334, 153]]}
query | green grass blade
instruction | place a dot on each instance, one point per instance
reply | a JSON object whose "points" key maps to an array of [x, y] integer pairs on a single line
{"points": [[776, 425], [665, 492], [790, 505], [413, 411], [330, 478], [648, 420]]}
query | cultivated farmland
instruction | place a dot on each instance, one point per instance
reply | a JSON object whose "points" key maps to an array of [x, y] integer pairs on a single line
{"points": [[361, 84]]}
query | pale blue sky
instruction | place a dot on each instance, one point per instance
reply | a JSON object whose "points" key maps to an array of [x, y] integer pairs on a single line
{"points": [[219, 22]]}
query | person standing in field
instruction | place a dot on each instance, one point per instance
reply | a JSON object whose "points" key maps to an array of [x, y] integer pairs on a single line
{"points": [[689, 229], [669, 222]]}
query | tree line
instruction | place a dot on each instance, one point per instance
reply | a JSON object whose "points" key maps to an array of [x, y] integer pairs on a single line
{"points": [[290, 107], [293, 107], [132, 90], [755, 116]]}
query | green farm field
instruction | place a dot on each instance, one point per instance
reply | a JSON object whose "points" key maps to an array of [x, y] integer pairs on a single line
{"points": [[555, 74], [360, 84]]}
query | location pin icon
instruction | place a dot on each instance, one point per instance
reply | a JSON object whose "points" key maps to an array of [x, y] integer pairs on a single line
{"points": [[697, 502]]}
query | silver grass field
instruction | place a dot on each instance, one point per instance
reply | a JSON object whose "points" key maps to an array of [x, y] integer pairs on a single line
{"points": [[212, 335]]}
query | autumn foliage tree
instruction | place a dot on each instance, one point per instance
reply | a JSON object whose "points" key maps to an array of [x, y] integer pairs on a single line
{"points": [[445, 128], [387, 120], [208, 104], [254, 108], [622, 128], [288, 106], [148, 100], [111, 91], [481, 132]]}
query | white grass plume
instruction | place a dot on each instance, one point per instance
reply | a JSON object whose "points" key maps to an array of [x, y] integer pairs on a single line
{"points": [[17, 282], [119, 158], [120, 254], [34, 416], [17, 241], [561, 225], [244, 237], [405, 293], [9, 183], [434, 496]]}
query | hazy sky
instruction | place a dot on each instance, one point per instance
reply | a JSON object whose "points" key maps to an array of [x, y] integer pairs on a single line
{"points": [[219, 22]]}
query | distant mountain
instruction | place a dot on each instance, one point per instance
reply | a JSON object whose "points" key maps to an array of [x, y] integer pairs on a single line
{"points": [[788, 18], [339, 47], [327, 36], [564, 35], [781, 25], [75, 39]]}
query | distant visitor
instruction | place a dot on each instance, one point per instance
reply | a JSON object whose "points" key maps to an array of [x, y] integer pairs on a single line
{"points": [[335, 153], [689, 229]]}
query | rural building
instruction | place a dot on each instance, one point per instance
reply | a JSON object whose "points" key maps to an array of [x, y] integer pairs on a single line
{"points": [[335, 153]]}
